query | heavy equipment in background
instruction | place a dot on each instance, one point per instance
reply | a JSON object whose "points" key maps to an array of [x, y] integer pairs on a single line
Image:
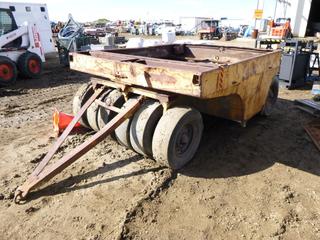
{"points": [[21, 47], [71, 38], [278, 31], [280, 28], [228, 33], [210, 29], [74, 37], [151, 99]]}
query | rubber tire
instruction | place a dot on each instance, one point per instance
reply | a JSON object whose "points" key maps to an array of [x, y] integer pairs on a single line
{"points": [[13, 79], [271, 98], [122, 133], [92, 112], [167, 131], [23, 65], [142, 127], [82, 95], [114, 98]]}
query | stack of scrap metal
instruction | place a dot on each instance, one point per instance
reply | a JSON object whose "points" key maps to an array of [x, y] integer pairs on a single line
{"points": [[229, 35], [71, 38], [313, 130], [309, 105]]}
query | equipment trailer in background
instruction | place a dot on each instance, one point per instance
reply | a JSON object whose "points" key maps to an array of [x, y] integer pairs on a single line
{"points": [[151, 99]]}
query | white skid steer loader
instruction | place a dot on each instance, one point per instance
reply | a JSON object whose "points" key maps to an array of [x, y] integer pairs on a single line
{"points": [[20, 49]]}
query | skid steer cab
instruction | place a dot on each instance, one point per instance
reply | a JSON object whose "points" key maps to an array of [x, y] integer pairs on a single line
{"points": [[20, 49]]}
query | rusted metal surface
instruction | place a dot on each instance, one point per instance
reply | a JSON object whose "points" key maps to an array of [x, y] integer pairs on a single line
{"points": [[202, 72], [111, 108], [313, 130], [176, 51], [43, 172], [150, 93], [249, 79], [132, 73]]}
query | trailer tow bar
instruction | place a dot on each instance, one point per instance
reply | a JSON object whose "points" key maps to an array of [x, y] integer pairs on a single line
{"points": [[43, 173]]}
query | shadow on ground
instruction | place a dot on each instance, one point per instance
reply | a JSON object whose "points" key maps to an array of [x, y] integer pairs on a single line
{"points": [[227, 150], [68, 185]]}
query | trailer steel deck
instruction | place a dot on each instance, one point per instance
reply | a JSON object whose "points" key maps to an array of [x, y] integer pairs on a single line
{"points": [[232, 82]]}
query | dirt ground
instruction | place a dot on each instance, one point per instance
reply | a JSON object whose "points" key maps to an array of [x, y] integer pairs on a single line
{"points": [[259, 182]]}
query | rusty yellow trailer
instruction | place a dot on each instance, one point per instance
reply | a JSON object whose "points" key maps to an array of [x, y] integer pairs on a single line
{"points": [[228, 82], [151, 99]]}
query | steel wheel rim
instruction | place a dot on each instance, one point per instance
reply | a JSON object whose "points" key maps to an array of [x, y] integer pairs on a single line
{"points": [[184, 139], [34, 66], [6, 72]]}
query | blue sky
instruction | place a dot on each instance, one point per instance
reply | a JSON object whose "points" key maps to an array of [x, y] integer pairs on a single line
{"points": [[87, 10]]}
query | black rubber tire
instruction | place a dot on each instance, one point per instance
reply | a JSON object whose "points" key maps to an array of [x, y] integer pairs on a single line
{"points": [[92, 112], [8, 78], [24, 68], [114, 98], [178, 125], [122, 133], [82, 95], [271, 98], [142, 127]]}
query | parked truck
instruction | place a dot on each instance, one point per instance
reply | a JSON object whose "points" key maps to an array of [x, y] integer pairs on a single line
{"points": [[151, 99], [210, 29]]}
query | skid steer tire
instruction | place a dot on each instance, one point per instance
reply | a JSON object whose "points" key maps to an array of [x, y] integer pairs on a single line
{"points": [[143, 125], [30, 65], [122, 133], [271, 98], [177, 137], [8, 71], [82, 95]]}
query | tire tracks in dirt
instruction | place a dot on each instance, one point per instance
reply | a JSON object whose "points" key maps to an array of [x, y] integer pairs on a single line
{"points": [[163, 180], [21, 109]]}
